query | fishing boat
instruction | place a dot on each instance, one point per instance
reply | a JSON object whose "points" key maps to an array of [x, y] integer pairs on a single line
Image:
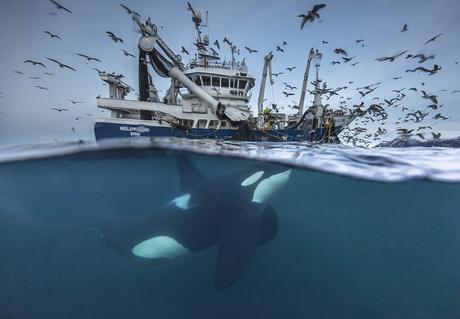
{"points": [[208, 98]]}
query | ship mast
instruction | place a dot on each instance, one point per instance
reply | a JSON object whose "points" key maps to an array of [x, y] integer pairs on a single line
{"points": [[313, 54]]}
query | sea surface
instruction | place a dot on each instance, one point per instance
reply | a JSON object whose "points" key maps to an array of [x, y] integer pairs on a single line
{"points": [[363, 233]]}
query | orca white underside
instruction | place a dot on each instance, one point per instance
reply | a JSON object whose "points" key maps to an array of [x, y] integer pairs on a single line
{"points": [[159, 247]]}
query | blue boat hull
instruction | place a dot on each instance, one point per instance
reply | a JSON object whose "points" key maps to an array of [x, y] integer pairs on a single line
{"points": [[104, 130]]}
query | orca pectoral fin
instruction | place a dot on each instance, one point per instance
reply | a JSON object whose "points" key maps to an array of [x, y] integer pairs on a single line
{"points": [[238, 241]]}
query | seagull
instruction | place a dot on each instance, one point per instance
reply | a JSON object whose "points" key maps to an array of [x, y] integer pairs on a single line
{"points": [[130, 12], [228, 41], [74, 102], [391, 58], [278, 48], [58, 109], [422, 58], [277, 74], [127, 53], [346, 60], [311, 15], [41, 87], [35, 63], [284, 43], [35, 77], [436, 68], [184, 51], [217, 44], [324, 42], [88, 57], [455, 91], [18, 72], [340, 51], [114, 37], [431, 97], [290, 68], [439, 116], [251, 50], [60, 7], [434, 38], [404, 29], [287, 94], [52, 35], [436, 136], [61, 64], [335, 62], [49, 74]]}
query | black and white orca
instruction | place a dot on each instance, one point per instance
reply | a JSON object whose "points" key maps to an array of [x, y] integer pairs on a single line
{"points": [[231, 211]]}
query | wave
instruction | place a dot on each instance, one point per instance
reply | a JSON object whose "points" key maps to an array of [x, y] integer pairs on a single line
{"points": [[381, 164]]}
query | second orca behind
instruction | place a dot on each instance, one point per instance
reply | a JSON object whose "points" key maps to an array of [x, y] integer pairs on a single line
{"points": [[231, 211]]}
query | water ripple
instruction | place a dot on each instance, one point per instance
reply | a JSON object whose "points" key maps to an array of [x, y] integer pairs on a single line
{"points": [[377, 164]]}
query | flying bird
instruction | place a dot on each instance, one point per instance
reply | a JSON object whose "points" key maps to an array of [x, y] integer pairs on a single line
{"points": [[60, 7], [228, 41], [391, 58], [346, 60], [35, 63], [340, 51], [74, 102], [130, 12], [58, 109], [251, 50], [404, 29], [422, 58], [88, 57], [431, 97], [287, 94], [52, 35], [434, 38], [126, 53], [41, 87], [217, 44], [436, 136], [18, 72], [290, 69], [184, 51], [114, 37], [62, 65], [311, 15], [35, 77], [278, 48]]}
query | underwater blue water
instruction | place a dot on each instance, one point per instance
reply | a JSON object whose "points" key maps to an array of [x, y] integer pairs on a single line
{"points": [[362, 233]]}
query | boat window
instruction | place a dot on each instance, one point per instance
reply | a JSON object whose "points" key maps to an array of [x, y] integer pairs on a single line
{"points": [[198, 80], [213, 124], [201, 124], [215, 81], [233, 92], [225, 82], [206, 81], [242, 84], [223, 124], [233, 83], [240, 93]]}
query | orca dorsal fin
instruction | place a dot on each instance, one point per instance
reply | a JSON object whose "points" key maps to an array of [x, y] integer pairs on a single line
{"points": [[189, 175]]}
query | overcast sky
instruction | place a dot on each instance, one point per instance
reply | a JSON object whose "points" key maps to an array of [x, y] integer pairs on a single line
{"points": [[26, 114]]}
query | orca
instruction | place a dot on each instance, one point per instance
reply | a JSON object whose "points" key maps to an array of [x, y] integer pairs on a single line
{"points": [[230, 211]]}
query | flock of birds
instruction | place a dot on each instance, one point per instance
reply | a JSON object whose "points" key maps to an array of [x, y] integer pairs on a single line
{"points": [[87, 58], [375, 112]]}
